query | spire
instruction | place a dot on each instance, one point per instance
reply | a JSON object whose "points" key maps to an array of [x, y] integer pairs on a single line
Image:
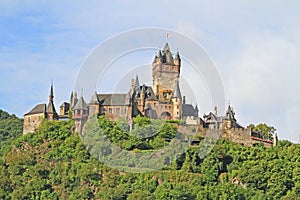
{"points": [[50, 107], [166, 48], [177, 93], [196, 110], [94, 98], [71, 97], [167, 55], [177, 56], [230, 113], [137, 84], [51, 96], [159, 54]]}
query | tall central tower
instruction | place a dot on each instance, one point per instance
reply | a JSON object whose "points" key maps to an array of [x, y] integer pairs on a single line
{"points": [[165, 73]]}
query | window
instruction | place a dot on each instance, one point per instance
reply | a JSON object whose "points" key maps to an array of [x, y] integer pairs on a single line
{"points": [[109, 110], [118, 110], [28, 120]]}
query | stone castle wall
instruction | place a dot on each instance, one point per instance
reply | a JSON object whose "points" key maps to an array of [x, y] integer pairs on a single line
{"points": [[32, 122], [240, 136]]}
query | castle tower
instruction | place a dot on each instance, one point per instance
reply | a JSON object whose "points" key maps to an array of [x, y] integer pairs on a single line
{"points": [[51, 112], [136, 99], [94, 105], [177, 101], [73, 99], [229, 120], [165, 73], [80, 114]]}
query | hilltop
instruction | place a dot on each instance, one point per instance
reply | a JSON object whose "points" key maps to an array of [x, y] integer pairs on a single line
{"points": [[53, 163]]}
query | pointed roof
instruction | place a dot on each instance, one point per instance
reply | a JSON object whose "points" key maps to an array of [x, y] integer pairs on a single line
{"points": [[94, 98], [188, 110], [39, 108], [51, 107], [166, 48], [80, 105], [196, 108], [177, 93], [167, 55], [51, 96], [159, 54], [177, 56], [137, 84], [230, 113], [71, 97]]}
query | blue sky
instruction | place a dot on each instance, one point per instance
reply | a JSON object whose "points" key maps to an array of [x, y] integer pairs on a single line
{"points": [[254, 44]]}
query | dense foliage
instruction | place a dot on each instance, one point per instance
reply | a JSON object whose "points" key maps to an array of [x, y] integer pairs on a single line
{"points": [[10, 128], [54, 164]]}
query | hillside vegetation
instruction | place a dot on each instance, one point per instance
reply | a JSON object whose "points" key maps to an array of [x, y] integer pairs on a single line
{"points": [[53, 163]]}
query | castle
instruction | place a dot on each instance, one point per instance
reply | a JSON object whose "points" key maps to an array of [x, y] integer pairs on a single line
{"points": [[162, 100]]}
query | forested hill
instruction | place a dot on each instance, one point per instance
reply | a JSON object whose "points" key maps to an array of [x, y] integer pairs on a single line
{"points": [[10, 129], [53, 164]]}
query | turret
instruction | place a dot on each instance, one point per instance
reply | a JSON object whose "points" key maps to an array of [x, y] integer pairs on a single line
{"points": [[177, 60], [229, 118], [94, 105], [73, 99], [177, 102], [51, 112], [80, 114], [196, 111]]}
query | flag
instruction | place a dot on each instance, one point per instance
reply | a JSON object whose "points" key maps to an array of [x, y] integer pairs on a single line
{"points": [[167, 35]]}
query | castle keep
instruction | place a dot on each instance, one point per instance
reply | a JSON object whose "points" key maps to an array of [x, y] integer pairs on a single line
{"points": [[161, 100]]}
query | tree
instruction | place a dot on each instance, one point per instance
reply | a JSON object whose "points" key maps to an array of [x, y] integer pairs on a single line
{"points": [[266, 131]]}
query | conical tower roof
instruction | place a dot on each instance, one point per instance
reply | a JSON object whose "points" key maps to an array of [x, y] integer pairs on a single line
{"points": [[80, 105], [177, 93], [137, 84], [94, 98], [230, 113], [166, 48], [167, 55], [51, 107]]}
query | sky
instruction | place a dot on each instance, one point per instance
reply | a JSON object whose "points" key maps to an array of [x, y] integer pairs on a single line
{"points": [[255, 46]]}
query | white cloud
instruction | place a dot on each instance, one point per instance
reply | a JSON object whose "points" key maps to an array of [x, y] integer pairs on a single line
{"points": [[264, 76]]}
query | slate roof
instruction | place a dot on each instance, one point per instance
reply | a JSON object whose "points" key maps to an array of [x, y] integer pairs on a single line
{"points": [[94, 98], [80, 105], [40, 108], [50, 107], [188, 110], [112, 99], [230, 113], [213, 118], [64, 104], [167, 55], [177, 93]]}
